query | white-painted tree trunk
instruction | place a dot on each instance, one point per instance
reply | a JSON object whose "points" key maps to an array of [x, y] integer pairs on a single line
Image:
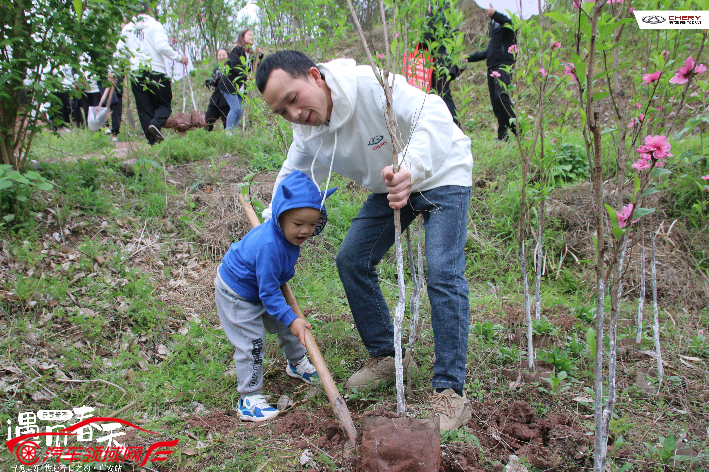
{"points": [[656, 323], [540, 267]]}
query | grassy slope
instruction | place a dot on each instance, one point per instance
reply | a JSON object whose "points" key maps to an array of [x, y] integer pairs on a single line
{"points": [[141, 329]]}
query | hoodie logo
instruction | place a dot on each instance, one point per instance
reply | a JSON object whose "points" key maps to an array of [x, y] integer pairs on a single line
{"points": [[377, 142]]}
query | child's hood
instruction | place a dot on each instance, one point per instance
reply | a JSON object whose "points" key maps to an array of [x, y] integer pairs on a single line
{"points": [[299, 191]]}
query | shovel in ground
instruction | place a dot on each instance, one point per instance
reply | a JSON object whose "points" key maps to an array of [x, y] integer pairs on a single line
{"points": [[336, 400]]}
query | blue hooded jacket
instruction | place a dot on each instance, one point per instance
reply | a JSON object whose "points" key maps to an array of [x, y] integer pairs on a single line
{"points": [[257, 266]]}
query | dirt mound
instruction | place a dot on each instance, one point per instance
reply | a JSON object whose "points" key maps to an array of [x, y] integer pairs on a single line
{"points": [[553, 443]]}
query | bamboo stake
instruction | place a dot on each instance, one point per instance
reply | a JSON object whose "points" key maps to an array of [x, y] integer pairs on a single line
{"points": [[338, 404]]}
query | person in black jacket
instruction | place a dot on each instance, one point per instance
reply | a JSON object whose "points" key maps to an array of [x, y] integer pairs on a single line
{"points": [[218, 106], [437, 31], [233, 80], [497, 54]]}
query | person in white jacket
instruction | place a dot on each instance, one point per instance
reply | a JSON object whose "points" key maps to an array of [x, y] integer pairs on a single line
{"points": [[338, 115], [147, 47]]}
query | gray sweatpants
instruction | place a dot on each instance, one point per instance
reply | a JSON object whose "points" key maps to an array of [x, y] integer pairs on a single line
{"points": [[245, 324]]}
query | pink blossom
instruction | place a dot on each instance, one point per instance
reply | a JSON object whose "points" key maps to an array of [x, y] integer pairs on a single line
{"points": [[638, 105], [380, 56], [657, 146], [543, 71], [397, 35], [649, 78], [556, 45], [683, 74], [577, 4], [513, 49], [624, 214], [659, 108], [495, 74], [666, 54], [641, 118], [569, 70], [705, 177], [553, 141], [642, 163], [631, 9], [632, 123]]}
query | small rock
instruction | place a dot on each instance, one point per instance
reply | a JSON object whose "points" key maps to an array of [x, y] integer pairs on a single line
{"points": [[100, 260], [129, 375], [168, 227], [306, 457], [283, 403], [514, 465]]}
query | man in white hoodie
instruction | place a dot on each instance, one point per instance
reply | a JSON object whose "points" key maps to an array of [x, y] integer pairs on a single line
{"points": [[337, 110], [148, 49]]}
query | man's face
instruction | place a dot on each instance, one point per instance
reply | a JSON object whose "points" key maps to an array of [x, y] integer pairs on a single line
{"points": [[300, 100]]}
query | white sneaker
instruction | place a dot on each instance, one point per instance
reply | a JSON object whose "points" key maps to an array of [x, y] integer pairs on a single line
{"points": [[114, 138], [303, 370], [255, 408]]}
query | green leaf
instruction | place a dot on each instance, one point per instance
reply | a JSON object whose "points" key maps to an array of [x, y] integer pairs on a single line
{"points": [[599, 95], [607, 130], [658, 171], [78, 8], [5, 183], [46, 186], [560, 17], [649, 191], [613, 216], [636, 181], [640, 212], [591, 341]]}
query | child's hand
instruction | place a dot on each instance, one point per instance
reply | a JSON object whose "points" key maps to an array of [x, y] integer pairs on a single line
{"points": [[298, 327]]}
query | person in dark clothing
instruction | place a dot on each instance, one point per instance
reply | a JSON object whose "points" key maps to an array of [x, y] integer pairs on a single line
{"points": [[497, 55], [233, 80], [145, 43], [436, 32], [117, 109], [218, 106]]}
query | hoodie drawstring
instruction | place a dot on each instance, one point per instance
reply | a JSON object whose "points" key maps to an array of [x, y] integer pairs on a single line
{"points": [[329, 174]]}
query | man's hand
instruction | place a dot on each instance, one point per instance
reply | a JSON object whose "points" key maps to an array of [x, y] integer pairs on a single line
{"points": [[399, 186], [490, 11], [298, 327], [183, 60], [111, 78]]}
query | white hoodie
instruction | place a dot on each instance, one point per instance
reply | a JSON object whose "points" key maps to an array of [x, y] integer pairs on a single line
{"points": [[146, 40], [356, 144]]}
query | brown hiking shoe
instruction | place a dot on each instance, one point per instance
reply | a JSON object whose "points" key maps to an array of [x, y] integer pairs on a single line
{"points": [[377, 370], [453, 410]]}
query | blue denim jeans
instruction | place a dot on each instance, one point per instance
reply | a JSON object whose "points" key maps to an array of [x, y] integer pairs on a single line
{"points": [[445, 216], [234, 101]]}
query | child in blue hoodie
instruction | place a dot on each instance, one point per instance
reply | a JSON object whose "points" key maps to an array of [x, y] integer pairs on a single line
{"points": [[248, 295]]}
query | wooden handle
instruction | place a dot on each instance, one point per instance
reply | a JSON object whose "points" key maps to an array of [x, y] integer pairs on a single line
{"points": [[338, 403]]}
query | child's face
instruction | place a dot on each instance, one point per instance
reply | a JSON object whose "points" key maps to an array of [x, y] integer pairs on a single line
{"points": [[299, 224]]}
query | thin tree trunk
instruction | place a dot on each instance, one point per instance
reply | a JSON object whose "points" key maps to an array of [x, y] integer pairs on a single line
{"points": [[656, 324], [641, 302], [527, 313], [538, 289]]}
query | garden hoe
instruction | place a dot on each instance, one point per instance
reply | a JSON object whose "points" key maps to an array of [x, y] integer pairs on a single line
{"points": [[336, 400]]}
